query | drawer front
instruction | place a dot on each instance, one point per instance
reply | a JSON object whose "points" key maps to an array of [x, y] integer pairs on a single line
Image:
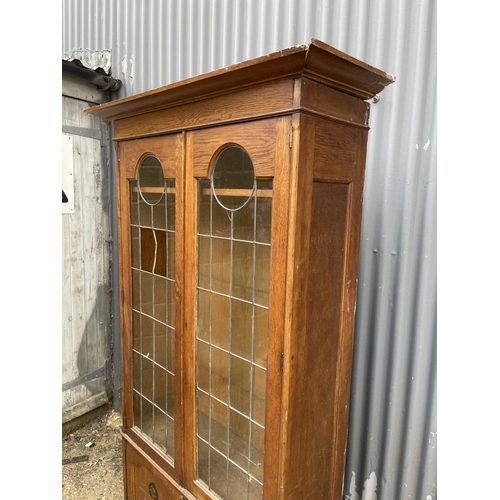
{"points": [[145, 481]]}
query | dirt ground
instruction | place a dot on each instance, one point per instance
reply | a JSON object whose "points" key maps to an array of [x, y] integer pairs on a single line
{"points": [[93, 471]]}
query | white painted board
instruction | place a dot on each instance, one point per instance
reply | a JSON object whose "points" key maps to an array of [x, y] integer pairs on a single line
{"points": [[68, 189]]}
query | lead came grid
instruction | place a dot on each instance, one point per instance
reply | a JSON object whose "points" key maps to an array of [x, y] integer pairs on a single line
{"points": [[153, 314], [232, 304]]}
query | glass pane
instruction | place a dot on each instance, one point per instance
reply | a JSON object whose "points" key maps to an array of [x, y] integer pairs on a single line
{"points": [[147, 417], [240, 385], [262, 256], [232, 331], [233, 178], [154, 251], [244, 222], [136, 360], [255, 491], [204, 315], [237, 483], [171, 350], [239, 438], [147, 337], [220, 268], [203, 356], [218, 473], [243, 271], [171, 256], [241, 328], [147, 293], [145, 214], [160, 388], [204, 203], [134, 203], [204, 262], [257, 453], [261, 319], [136, 330], [219, 372], [218, 426], [203, 460], [160, 428], [170, 396], [137, 410], [221, 223], [159, 220], [170, 436], [150, 181], [263, 212], [171, 303], [203, 415], [136, 254], [170, 205], [160, 298], [153, 299], [147, 378], [259, 395], [220, 321], [160, 347], [136, 290]]}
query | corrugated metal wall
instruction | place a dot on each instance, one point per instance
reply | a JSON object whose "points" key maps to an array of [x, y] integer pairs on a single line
{"points": [[392, 436]]}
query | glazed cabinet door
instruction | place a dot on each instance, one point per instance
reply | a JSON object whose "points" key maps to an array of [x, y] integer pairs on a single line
{"points": [[150, 183], [235, 231]]}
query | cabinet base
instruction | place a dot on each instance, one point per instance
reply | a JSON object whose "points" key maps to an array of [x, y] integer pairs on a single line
{"points": [[145, 480]]}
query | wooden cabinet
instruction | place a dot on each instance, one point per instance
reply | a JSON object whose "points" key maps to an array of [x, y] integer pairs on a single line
{"points": [[239, 203]]}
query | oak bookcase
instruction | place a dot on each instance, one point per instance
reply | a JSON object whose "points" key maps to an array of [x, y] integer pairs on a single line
{"points": [[239, 212]]}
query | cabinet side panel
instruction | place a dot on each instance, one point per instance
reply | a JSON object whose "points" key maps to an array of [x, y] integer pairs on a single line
{"points": [[328, 242], [350, 280], [313, 401]]}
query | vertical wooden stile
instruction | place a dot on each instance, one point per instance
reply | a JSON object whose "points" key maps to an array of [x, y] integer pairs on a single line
{"points": [[279, 241], [189, 301]]}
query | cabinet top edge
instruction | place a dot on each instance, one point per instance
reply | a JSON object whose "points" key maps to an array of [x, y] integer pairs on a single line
{"points": [[316, 60]]}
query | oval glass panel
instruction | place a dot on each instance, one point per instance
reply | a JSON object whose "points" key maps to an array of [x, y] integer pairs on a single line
{"points": [[150, 180], [233, 178]]}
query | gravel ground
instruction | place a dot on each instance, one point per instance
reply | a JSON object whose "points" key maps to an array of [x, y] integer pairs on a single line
{"points": [[93, 472]]}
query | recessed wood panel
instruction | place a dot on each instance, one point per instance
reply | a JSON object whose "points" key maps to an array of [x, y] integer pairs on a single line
{"points": [[269, 99], [337, 151], [327, 256], [164, 148], [144, 478], [257, 138]]}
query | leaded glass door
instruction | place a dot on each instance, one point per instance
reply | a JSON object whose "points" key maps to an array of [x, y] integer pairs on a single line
{"points": [[234, 222], [231, 227], [150, 178]]}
